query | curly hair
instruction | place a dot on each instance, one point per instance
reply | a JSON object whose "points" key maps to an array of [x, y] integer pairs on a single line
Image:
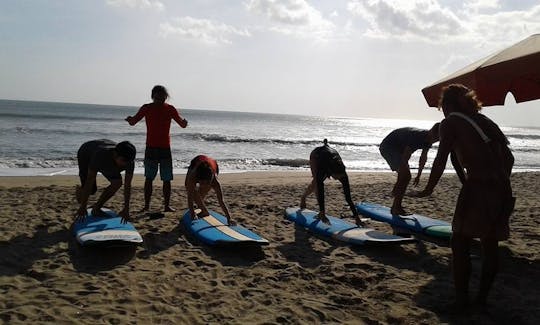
{"points": [[461, 98]]}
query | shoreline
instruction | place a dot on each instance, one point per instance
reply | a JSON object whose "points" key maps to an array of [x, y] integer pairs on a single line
{"points": [[236, 177]]}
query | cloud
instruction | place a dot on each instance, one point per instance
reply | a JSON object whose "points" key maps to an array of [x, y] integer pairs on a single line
{"points": [[141, 4], [479, 21], [418, 19], [505, 26], [204, 30], [293, 17], [479, 5]]}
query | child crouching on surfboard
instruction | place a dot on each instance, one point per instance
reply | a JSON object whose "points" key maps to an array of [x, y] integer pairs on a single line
{"points": [[397, 148], [110, 159], [325, 162], [200, 179]]}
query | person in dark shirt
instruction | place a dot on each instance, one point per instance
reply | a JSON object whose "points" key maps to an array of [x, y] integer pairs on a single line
{"points": [[397, 148], [325, 162], [109, 159]]}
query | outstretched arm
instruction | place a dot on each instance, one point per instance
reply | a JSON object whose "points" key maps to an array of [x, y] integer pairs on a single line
{"points": [[347, 192], [447, 139], [217, 187], [132, 120], [421, 164], [178, 119]]}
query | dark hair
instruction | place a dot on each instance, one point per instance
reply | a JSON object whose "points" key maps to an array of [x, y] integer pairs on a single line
{"points": [[159, 89], [204, 172], [126, 150], [460, 97]]}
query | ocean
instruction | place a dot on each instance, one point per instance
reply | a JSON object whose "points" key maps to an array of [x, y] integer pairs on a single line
{"points": [[42, 138]]}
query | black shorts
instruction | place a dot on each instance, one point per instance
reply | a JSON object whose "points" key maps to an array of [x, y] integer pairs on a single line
{"points": [[391, 155]]}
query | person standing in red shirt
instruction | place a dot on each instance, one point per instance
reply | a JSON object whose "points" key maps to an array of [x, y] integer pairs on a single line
{"points": [[158, 116]]}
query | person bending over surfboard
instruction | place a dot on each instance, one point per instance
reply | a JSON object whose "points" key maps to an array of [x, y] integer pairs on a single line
{"points": [[200, 179], [325, 162], [158, 116], [397, 148], [110, 159], [485, 202]]}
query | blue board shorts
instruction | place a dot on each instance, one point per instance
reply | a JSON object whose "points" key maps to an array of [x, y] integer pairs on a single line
{"points": [[391, 155], [155, 158]]}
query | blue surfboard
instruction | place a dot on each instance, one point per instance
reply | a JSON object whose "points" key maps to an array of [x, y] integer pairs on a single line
{"points": [[411, 224], [213, 230], [340, 229], [105, 231]]}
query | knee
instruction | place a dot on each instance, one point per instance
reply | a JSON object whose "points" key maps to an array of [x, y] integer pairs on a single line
{"points": [[407, 175]]}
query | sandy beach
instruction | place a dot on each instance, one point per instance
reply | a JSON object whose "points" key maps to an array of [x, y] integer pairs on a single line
{"points": [[299, 278]]}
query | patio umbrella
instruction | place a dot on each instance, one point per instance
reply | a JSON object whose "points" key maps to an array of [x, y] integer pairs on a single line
{"points": [[515, 69]]}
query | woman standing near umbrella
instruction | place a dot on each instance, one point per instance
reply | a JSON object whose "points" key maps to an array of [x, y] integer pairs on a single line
{"points": [[485, 201]]}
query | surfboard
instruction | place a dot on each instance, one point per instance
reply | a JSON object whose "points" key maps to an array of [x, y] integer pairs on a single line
{"points": [[340, 229], [213, 230], [105, 231], [411, 224]]}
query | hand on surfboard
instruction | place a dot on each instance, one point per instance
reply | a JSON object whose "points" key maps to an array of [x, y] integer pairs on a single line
{"points": [[199, 214], [359, 222], [81, 214], [125, 216]]}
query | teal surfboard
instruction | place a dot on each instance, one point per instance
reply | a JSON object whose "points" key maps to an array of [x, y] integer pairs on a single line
{"points": [[340, 229], [414, 224]]}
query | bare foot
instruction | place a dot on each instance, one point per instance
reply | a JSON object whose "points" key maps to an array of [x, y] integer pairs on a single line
{"points": [[359, 222], [169, 209], [399, 212], [323, 219], [145, 209]]}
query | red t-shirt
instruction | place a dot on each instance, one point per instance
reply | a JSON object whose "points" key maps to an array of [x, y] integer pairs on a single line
{"points": [[158, 123], [195, 162]]}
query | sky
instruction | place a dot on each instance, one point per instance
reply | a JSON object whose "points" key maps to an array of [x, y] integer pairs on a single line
{"points": [[349, 58]]}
